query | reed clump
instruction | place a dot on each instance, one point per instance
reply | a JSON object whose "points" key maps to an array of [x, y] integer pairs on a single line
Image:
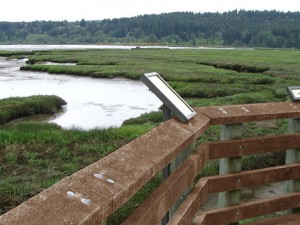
{"points": [[19, 107]]}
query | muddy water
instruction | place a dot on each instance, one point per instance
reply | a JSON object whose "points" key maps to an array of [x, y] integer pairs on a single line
{"points": [[91, 102]]}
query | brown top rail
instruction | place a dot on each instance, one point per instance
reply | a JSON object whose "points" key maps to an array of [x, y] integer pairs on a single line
{"points": [[232, 114], [95, 192]]}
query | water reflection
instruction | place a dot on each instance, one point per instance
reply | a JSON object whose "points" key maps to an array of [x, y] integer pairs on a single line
{"points": [[91, 102]]}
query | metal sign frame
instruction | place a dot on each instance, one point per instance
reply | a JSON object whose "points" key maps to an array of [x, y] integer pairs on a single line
{"points": [[168, 96], [294, 93]]}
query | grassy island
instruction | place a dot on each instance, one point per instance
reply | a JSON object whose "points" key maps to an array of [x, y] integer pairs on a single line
{"points": [[19, 107]]}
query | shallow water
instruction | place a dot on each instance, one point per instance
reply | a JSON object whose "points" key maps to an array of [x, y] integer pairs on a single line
{"points": [[70, 47], [91, 102]]}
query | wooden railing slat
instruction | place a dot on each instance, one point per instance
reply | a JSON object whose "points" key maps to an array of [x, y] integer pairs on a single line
{"points": [[253, 177], [190, 206], [253, 146], [251, 209], [233, 114]]}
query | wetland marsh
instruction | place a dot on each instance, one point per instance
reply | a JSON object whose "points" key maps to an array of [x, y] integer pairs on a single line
{"points": [[33, 156]]}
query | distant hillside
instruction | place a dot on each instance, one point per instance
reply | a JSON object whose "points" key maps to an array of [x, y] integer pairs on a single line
{"points": [[235, 28]]}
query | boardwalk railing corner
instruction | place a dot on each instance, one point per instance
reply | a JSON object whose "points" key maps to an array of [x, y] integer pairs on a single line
{"points": [[92, 194]]}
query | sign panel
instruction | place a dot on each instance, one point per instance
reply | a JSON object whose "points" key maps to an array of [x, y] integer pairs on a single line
{"points": [[294, 93], [168, 96]]}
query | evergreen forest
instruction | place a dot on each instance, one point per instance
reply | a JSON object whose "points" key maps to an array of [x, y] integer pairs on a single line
{"points": [[266, 29]]}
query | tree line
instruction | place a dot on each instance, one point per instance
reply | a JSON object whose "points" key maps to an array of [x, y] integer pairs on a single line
{"points": [[271, 29]]}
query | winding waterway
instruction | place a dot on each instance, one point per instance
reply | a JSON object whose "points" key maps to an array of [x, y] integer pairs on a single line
{"points": [[91, 102]]}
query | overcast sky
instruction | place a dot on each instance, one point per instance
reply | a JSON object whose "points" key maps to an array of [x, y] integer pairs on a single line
{"points": [[72, 10]]}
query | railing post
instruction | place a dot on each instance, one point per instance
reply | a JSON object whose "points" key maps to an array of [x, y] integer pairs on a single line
{"points": [[293, 156], [167, 170], [166, 116], [172, 167], [229, 165]]}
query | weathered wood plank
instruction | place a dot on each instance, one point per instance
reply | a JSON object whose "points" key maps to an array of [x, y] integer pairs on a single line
{"points": [[190, 206], [152, 210], [250, 146], [251, 209], [253, 177], [250, 112], [108, 183]]}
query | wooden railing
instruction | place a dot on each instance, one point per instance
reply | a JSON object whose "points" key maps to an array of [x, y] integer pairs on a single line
{"points": [[95, 192]]}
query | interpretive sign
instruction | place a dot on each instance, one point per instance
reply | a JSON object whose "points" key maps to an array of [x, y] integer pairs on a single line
{"points": [[168, 96]]}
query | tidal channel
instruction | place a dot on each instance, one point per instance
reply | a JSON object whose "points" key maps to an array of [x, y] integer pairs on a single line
{"points": [[91, 102]]}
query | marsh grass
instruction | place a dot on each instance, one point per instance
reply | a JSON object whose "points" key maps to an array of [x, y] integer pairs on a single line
{"points": [[33, 156], [193, 73], [19, 107], [15, 54]]}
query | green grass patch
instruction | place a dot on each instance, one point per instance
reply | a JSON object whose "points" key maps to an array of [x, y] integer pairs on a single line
{"points": [[15, 54], [152, 117], [33, 156], [19, 107], [200, 74]]}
